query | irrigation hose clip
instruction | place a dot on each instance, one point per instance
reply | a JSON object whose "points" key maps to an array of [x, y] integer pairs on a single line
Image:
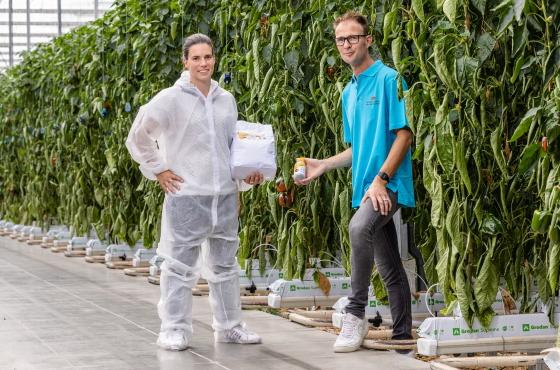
{"points": [[123, 257], [376, 321], [252, 288]]}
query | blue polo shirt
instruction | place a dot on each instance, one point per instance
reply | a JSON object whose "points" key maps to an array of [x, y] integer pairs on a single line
{"points": [[371, 110]]}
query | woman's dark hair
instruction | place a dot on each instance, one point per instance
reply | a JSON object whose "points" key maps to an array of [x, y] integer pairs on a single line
{"points": [[197, 38]]}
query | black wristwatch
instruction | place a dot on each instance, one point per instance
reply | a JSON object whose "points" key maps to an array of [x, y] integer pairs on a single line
{"points": [[384, 176]]}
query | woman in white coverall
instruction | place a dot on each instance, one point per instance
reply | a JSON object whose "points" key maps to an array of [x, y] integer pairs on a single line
{"points": [[192, 122]]}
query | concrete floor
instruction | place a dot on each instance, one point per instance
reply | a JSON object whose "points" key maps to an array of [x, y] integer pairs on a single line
{"points": [[63, 313]]}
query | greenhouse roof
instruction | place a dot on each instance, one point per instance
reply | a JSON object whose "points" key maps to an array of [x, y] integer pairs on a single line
{"points": [[25, 23]]}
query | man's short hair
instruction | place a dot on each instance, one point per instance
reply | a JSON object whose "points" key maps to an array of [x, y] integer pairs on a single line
{"points": [[352, 16]]}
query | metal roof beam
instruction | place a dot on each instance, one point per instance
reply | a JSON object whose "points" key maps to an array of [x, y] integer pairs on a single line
{"points": [[55, 11], [64, 24], [31, 34]]}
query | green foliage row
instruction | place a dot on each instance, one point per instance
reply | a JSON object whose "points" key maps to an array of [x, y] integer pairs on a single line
{"points": [[484, 91]]}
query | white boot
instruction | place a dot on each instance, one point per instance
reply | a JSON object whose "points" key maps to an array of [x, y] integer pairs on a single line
{"points": [[239, 334], [352, 335], [172, 340]]}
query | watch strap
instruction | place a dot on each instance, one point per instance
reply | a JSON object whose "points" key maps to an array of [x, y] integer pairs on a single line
{"points": [[384, 176]]}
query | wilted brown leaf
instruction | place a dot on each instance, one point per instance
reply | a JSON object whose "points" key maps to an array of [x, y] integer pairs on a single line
{"points": [[324, 283], [416, 295], [507, 150], [509, 303]]}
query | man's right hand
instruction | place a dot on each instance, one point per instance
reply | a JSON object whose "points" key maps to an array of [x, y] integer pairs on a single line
{"points": [[168, 181], [315, 168]]}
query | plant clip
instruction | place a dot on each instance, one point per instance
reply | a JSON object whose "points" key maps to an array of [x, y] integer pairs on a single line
{"points": [[104, 113], [127, 107], [376, 321], [227, 77], [252, 288], [123, 257]]}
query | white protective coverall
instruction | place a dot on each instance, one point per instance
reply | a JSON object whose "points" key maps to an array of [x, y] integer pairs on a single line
{"points": [[193, 133]]}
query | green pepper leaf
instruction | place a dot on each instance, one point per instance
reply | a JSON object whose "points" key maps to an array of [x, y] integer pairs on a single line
{"points": [[466, 75], [462, 165], [491, 225], [530, 158], [452, 222], [464, 292], [485, 317], [486, 284], [480, 5], [505, 19], [450, 10], [444, 140], [418, 7], [553, 265], [518, 6], [379, 288], [525, 123], [520, 36], [485, 44]]}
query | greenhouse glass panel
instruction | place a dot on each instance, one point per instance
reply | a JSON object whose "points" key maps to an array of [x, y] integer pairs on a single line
{"points": [[25, 23]]}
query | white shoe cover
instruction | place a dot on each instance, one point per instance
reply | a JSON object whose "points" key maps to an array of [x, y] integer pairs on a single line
{"points": [[352, 335], [172, 340], [239, 334]]}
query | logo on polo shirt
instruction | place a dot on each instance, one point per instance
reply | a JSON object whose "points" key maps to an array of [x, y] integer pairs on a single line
{"points": [[373, 101]]}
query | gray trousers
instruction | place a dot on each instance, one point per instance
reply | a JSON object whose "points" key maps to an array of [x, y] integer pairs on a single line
{"points": [[373, 238]]}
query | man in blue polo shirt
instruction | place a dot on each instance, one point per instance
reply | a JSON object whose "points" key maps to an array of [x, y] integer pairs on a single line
{"points": [[376, 127]]}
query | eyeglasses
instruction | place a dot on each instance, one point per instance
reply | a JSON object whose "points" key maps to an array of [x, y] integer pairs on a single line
{"points": [[352, 39]]}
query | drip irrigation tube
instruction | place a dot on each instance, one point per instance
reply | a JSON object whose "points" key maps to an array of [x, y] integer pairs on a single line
{"points": [[389, 344], [484, 361]]}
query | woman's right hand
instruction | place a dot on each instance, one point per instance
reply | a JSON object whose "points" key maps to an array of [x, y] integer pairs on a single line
{"points": [[168, 181]]}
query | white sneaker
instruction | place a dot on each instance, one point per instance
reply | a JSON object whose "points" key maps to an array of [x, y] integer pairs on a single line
{"points": [[404, 352], [239, 334], [172, 340], [352, 335]]}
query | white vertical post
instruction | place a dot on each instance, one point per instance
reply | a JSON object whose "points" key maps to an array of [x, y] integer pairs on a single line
{"points": [[59, 17], [96, 8], [11, 33], [28, 27]]}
